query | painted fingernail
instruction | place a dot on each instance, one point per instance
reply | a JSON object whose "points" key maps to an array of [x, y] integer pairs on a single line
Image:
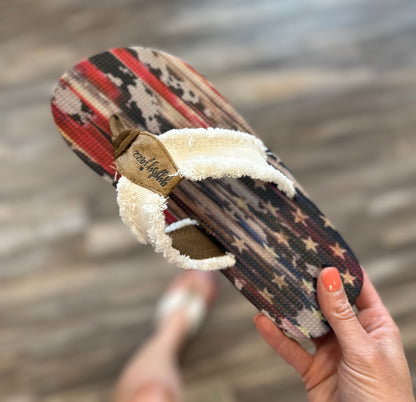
{"points": [[331, 279]]}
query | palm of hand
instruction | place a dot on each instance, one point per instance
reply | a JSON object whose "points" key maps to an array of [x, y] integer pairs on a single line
{"points": [[321, 377], [333, 376], [362, 360]]}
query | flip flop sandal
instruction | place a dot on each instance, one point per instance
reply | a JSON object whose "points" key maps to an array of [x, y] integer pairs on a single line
{"points": [[187, 298], [193, 181], [191, 302]]}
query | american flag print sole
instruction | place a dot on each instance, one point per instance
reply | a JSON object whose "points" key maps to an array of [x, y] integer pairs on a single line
{"points": [[280, 244]]}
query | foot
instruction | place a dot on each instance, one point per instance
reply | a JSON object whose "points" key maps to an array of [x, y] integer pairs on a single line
{"points": [[152, 374]]}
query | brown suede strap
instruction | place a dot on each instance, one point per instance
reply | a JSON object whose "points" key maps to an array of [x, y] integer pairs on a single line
{"points": [[143, 159], [123, 141], [191, 241]]}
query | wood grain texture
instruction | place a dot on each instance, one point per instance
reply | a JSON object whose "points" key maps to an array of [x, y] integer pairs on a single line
{"points": [[330, 86]]}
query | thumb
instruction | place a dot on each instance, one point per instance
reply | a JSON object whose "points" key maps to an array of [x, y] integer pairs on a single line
{"points": [[338, 311]]}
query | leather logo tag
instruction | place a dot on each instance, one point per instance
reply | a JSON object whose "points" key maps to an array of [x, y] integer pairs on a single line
{"points": [[147, 163]]}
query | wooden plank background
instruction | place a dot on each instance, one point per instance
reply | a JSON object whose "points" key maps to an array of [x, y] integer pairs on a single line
{"points": [[330, 85]]}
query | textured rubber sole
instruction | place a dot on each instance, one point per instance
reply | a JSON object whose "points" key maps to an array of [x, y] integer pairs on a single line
{"points": [[280, 244]]}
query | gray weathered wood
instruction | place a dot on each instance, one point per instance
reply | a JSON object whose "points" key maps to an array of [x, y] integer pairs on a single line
{"points": [[329, 85]]}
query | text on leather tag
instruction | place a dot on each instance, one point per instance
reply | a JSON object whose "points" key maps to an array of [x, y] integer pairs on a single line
{"points": [[147, 163]]}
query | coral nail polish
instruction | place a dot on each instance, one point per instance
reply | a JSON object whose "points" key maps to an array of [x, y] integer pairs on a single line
{"points": [[331, 279]]}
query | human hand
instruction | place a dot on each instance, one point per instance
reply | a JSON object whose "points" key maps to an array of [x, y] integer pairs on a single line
{"points": [[361, 360]]}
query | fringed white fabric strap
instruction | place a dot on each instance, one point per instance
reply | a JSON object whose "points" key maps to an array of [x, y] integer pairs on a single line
{"points": [[142, 211], [216, 152], [199, 154]]}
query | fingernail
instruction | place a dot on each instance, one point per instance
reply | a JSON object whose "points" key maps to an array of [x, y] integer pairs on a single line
{"points": [[331, 279]]}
